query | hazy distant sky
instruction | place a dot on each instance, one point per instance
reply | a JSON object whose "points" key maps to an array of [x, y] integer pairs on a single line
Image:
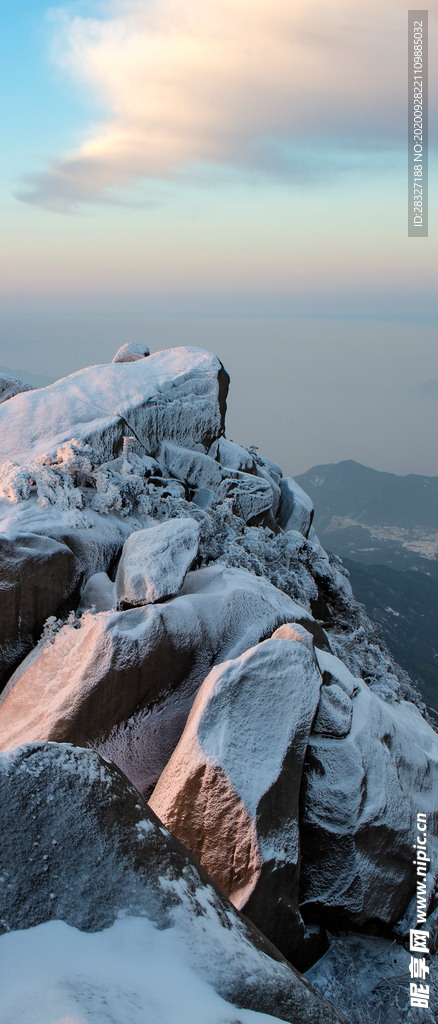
{"points": [[230, 174]]}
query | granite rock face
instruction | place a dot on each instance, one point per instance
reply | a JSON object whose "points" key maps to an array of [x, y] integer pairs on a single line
{"points": [[154, 562], [230, 791], [79, 845], [101, 669]]}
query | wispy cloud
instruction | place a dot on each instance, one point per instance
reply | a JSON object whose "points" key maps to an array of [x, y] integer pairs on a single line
{"points": [[246, 84]]}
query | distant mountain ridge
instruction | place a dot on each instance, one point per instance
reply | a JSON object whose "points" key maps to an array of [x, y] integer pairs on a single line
{"points": [[373, 517], [385, 529], [371, 496]]}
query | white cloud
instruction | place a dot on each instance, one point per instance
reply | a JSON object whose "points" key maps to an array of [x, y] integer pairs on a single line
{"points": [[240, 83]]}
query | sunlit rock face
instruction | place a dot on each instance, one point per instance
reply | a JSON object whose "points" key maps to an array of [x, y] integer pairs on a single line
{"points": [[231, 789], [79, 845], [94, 673]]}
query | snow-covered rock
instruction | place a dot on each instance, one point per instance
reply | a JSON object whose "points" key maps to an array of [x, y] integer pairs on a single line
{"points": [[130, 352], [193, 467], [100, 669], [275, 488], [99, 593], [9, 387], [232, 456], [251, 495], [39, 576], [80, 846], [359, 798], [179, 394], [335, 711], [45, 553], [368, 978], [154, 562], [296, 508], [230, 791], [293, 631]]}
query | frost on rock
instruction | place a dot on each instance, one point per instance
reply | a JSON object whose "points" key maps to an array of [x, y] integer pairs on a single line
{"points": [[150, 660], [155, 561], [72, 850], [135, 449], [99, 594], [367, 978], [359, 799], [230, 790], [39, 577], [232, 456], [10, 386], [296, 508], [130, 352], [178, 394]]}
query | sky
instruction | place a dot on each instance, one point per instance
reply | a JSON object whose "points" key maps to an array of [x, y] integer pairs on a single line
{"points": [[233, 175]]}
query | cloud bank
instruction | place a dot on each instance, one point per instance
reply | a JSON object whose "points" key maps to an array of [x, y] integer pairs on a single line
{"points": [[236, 85]]}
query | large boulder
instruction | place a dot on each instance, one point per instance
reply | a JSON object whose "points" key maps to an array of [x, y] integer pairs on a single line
{"points": [[230, 791], [192, 467], [130, 352], [370, 767], [39, 577], [80, 846], [179, 394], [45, 555], [155, 561], [252, 496], [154, 658], [232, 455], [296, 508]]}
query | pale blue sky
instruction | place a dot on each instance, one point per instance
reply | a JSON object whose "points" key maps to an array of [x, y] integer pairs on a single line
{"points": [[175, 170]]}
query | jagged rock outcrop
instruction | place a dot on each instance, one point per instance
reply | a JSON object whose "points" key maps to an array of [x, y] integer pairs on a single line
{"points": [[100, 669], [230, 791], [134, 450], [154, 562], [179, 394], [79, 845]]}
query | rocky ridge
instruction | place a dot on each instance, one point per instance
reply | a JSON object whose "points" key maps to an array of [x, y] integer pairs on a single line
{"points": [[176, 611]]}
